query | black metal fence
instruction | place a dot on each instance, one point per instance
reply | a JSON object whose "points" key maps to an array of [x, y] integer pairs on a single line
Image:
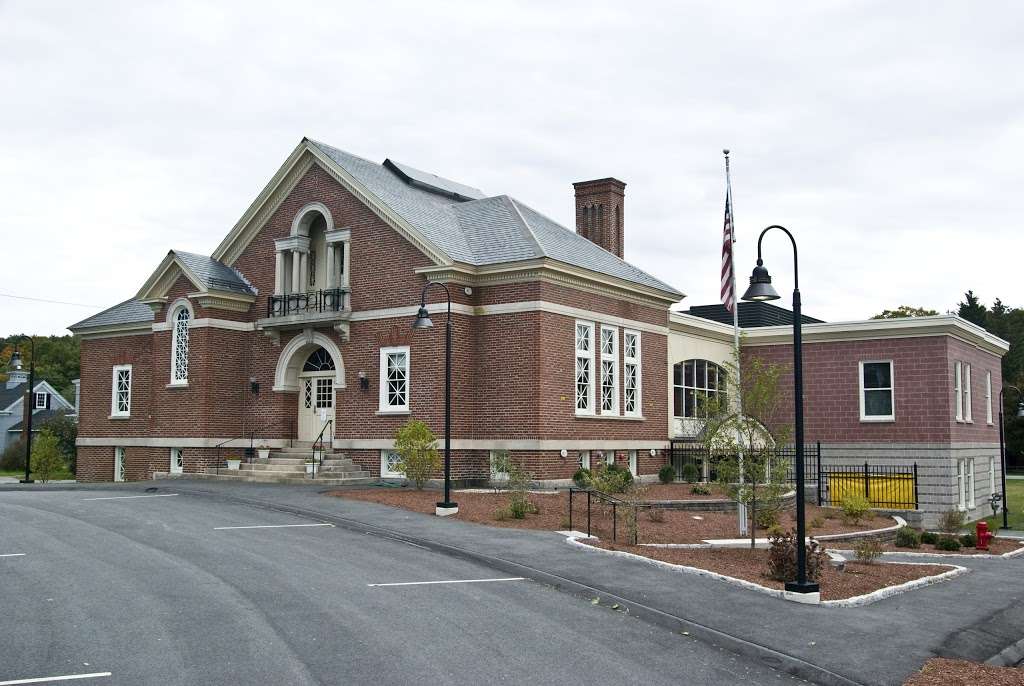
{"points": [[892, 486], [324, 300]]}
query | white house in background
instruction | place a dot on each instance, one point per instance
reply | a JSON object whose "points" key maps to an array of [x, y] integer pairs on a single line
{"points": [[46, 404]]}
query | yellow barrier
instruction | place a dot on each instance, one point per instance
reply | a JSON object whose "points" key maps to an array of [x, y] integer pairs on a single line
{"points": [[895, 491]]}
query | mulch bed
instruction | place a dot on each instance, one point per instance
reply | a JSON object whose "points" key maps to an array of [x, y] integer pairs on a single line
{"points": [[743, 563], [678, 526], [997, 546], [941, 671], [681, 491]]}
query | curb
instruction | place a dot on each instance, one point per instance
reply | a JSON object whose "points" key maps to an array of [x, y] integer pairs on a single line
{"points": [[959, 556], [768, 656], [1010, 656]]}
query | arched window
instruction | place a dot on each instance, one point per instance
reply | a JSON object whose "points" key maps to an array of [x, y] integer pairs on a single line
{"points": [[179, 346], [319, 361], [694, 383]]}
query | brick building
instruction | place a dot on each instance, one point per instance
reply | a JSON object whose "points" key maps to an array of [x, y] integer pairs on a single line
{"points": [[562, 351]]}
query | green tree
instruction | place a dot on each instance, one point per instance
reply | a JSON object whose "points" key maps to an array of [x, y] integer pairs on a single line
{"points": [[66, 431], [46, 458], [972, 310], [744, 444], [56, 359], [904, 311], [417, 446]]}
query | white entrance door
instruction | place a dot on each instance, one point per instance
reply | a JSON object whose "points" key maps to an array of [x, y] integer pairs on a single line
{"points": [[316, 406]]}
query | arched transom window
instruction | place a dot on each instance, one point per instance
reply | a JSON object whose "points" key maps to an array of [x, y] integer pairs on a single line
{"points": [[319, 361], [694, 383], [179, 346]]}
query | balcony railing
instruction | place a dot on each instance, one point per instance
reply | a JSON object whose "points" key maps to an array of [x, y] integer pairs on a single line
{"points": [[324, 300]]}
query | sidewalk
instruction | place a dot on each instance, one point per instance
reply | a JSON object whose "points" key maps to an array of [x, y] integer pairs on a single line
{"points": [[973, 617]]}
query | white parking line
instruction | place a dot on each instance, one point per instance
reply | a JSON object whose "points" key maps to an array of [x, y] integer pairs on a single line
{"points": [[50, 679], [130, 497], [264, 526], [453, 581], [13, 555]]}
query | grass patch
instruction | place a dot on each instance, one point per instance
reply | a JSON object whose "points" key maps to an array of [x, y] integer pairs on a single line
{"points": [[1015, 498], [19, 474]]}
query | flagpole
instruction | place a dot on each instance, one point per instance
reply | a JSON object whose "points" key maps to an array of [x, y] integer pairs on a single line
{"points": [[741, 508]]}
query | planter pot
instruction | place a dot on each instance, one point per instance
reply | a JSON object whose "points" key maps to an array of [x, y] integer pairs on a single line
{"points": [[310, 468], [263, 453], [234, 464]]}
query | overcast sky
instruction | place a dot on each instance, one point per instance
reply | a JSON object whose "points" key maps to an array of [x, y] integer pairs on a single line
{"points": [[887, 136]]}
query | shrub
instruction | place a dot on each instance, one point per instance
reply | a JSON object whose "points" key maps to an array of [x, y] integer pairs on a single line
{"points": [[502, 513], [951, 521], [46, 457], [782, 558], [947, 543], [817, 523], [611, 479], [691, 473], [417, 446], [775, 530], [929, 537], [855, 506], [867, 551], [66, 431], [656, 514], [766, 518], [13, 457], [968, 541], [519, 481], [582, 478], [667, 474], [700, 490], [907, 538]]}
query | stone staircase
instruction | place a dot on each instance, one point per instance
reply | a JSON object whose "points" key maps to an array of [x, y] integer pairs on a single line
{"points": [[288, 466]]}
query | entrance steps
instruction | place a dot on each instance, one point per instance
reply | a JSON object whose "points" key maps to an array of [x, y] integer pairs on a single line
{"points": [[288, 465]]}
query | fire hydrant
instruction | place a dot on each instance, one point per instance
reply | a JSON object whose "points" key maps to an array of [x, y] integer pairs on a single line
{"points": [[982, 535]]}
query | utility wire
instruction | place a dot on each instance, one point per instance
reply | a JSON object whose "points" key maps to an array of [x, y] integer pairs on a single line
{"points": [[43, 300]]}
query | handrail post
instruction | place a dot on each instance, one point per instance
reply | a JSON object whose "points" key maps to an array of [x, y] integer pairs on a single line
{"points": [[867, 493], [588, 514], [570, 508], [916, 506], [614, 521]]}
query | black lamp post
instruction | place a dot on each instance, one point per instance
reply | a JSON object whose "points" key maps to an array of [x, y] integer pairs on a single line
{"points": [[761, 289], [1002, 446], [423, 322], [29, 402]]}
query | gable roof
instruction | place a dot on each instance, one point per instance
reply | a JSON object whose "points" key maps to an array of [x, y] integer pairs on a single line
{"points": [[9, 396], [40, 418], [479, 230], [213, 275], [130, 311]]}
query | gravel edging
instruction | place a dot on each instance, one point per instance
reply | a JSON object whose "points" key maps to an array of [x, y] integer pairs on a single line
{"points": [[983, 556], [855, 601]]}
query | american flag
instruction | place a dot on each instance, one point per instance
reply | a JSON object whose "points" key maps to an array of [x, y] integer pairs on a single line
{"points": [[728, 294]]}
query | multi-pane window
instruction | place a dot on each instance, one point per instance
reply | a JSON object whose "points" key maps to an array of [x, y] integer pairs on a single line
{"points": [[631, 372], [307, 399], [968, 412], [991, 476], [179, 346], [40, 401], [965, 483], [958, 390], [632, 463], [121, 391], [394, 379], [584, 368], [584, 459], [609, 370], [876, 391], [988, 397], [390, 461], [119, 466], [177, 460], [325, 393], [695, 384]]}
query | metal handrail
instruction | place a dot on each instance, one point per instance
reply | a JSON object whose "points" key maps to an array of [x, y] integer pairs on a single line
{"points": [[251, 450], [320, 440], [613, 501], [322, 300]]}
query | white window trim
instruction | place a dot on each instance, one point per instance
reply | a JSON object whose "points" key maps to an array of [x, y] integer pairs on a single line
{"points": [[113, 391], [961, 497], [171, 467], [968, 398], [991, 476], [613, 357], [176, 307], [969, 483], [383, 406], [634, 463], [384, 472], [636, 362], [120, 456], [495, 475], [591, 404], [988, 398], [583, 459], [37, 395], [958, 390], [891, 417]]}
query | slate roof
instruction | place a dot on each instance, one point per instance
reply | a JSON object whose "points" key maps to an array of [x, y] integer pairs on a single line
{"points": [[40, 418], [474, 229], [128, 312], [214, 274], [751, 315], [10, 395]]}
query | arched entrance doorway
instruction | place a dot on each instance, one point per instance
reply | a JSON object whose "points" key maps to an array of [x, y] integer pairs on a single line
{"points": [[316, 395]]}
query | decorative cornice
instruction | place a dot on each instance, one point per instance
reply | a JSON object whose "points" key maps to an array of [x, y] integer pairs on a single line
{"points": [[300, 243], [338, 236]]}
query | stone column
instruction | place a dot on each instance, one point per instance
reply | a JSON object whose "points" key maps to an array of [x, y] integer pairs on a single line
{"points": [[304, 271], [278, 273], [296, 272], [330, 266], [345, 281]]}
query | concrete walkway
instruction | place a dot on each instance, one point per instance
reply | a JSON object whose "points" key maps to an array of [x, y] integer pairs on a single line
{"points": [[974, 617]]}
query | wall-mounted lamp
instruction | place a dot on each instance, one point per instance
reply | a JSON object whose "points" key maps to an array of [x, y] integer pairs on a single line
{"points": [[254, 385], [564, 453], [653, 452], [364, 382]]}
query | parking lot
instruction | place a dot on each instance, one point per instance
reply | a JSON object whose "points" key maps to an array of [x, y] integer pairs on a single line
{"points": [[128, 587]]}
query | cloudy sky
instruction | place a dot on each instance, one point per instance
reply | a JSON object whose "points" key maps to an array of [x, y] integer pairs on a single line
{"points": [[887, 136]]}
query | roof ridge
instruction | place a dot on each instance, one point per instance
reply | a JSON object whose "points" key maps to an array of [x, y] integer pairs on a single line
{"points": [[529, 229]]}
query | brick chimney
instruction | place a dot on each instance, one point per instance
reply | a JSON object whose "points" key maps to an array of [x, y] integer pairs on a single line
{"points": [[599, 209]]}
